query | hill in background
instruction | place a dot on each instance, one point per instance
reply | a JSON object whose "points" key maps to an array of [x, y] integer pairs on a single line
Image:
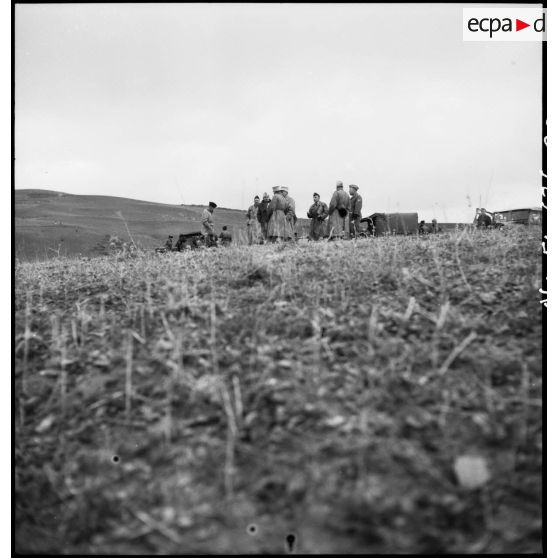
{"points": [[47, 221]]}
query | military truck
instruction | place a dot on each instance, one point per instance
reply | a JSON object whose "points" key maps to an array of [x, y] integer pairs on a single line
{"points": [[382, 224], [527, 216]]}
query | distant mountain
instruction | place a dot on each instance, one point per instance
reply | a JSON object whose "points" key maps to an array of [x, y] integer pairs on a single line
{"points": [[49, 222]]}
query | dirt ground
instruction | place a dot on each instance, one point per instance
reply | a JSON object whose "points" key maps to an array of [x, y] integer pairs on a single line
{"points": [[377, 396]]}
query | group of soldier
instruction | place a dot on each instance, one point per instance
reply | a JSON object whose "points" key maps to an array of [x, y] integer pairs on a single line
{"points": [[274, 219]]}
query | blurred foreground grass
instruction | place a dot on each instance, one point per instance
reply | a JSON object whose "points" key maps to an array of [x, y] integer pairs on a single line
{"points": [[369, 397]]}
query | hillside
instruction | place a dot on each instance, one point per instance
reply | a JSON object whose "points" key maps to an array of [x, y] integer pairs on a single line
{"points": [[46, 221]]}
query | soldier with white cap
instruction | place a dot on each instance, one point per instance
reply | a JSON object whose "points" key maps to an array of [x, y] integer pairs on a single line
{"points": [[278, 228], [290, 212]]}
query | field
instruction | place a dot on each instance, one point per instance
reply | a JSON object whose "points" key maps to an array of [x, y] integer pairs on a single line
{"points": [[49, 223], [378, 396]]}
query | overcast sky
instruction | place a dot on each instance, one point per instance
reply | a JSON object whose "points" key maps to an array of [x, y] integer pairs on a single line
{"points": [[190, 103]]}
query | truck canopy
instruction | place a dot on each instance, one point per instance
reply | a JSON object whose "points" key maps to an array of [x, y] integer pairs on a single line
{"points": [[393, 223]]}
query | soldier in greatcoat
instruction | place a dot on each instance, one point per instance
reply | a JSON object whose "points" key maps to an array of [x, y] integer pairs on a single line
{"points": [[290, 214], [355, 210], [338, 211], [278, 228], [317, 214], [207, 224], [263, 217], [252, 223]]}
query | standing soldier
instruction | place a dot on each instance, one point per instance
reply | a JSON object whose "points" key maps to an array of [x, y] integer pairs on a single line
{"points": [[207, 226], [252, 224], [290, 213], [338, 211], [318, 214], [435, 228], [277, 227], [355, 208], [263, 218]]}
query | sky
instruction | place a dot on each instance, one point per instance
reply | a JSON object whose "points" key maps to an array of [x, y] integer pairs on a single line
{"points": [[187, 103]]}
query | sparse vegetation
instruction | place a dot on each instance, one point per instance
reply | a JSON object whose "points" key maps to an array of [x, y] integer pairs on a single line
{"points": [[374, 396]]}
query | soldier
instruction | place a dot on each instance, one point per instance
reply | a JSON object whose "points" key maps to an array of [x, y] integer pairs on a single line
{"points": [[483, 220], [290, 213], [207, 226], [338, 212], [318, 214], [180, 243], [434, 227], [168, 243], [422, 227], [263, 218], [355, 210], [225, 237], [252, 223], [278, 228]]}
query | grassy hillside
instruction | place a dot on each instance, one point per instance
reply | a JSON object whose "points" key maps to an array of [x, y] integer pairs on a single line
{"points": [[370, 397], [47, 221]]}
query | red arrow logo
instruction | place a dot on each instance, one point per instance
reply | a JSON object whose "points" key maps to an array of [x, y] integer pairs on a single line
{"points": [[519, 25]]}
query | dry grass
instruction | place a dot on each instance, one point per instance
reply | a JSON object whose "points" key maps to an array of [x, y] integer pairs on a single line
{"points": [[167, 402]]}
